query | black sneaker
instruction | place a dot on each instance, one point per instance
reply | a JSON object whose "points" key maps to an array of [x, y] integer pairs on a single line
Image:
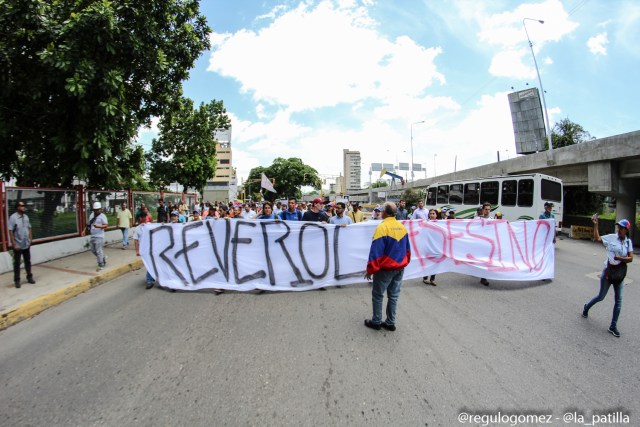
{"points": [[388, 327], [30, 280], [585, 312], [17, 285], [369, 324], [614, 331], [484, 282]]}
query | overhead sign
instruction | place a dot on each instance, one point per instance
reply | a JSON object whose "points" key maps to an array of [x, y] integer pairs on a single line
{"points": [[528, 121], [403, 166], [376, 167]]}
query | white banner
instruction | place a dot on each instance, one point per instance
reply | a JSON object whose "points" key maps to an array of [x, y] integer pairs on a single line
{"points": [[296, 256]]}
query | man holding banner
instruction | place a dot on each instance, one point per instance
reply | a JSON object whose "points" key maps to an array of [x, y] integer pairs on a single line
{"points": [[390, 253]]}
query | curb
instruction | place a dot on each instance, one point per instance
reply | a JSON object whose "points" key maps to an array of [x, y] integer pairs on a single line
{"points": [[30, 308]]}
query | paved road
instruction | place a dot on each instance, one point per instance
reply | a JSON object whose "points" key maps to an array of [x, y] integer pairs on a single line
{"points": [[121, 355]]}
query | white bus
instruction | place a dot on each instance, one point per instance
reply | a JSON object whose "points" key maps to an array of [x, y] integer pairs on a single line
{"points": [[516, 197]]}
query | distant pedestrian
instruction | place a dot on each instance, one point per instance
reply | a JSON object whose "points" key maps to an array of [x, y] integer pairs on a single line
{"points": [[97, 224], [340, 218], [390, 253], [485, 213], [137, 236], [315, 213], [125, 221], [619, 253], [420, 212], [267, 212], [431, 280], [356, 214], [163, 212], [21, 237], [292, 213], [402, 213]]}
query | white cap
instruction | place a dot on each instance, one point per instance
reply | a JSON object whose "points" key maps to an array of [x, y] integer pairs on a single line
{"points": [[97, 205]]}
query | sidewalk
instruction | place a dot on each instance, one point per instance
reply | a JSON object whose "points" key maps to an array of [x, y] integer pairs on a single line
{"points": [[59, 280]]}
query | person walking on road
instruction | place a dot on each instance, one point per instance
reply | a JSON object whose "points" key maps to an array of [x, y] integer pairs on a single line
{"points": [[390, 253], [136, 240], [21, 236], [125, 221], [97, 224], [619, 254]]}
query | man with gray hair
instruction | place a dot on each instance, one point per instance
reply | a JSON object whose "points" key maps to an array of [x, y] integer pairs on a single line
{"points": [[390, 253]]}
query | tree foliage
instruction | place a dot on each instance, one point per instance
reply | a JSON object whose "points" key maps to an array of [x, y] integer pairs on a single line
{"points": [[185, 151], [565, 133], [79, 77], [289, 174]]}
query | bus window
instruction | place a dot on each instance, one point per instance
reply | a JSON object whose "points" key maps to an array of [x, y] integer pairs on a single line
{"points": [[551, 190], [443, 194], [525, 192], [472, 194], [489, 192], [431, 196], [509, 192], [455, 194]]}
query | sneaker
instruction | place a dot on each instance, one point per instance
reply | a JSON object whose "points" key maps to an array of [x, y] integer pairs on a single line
{"points": [[100, 268], [432, 283], [484, 282], [149, 285], [585, 312], [30, 280], [614, 331], [124, 248], [369, 324], [17, 284], [322, 289], [388, 327]]}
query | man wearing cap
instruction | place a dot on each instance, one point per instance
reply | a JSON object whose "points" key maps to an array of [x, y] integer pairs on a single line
{"points": [[619, 253], [547, 214], [390, 253], [97, 224], [315, 213], [452, 214], [21, 236]]}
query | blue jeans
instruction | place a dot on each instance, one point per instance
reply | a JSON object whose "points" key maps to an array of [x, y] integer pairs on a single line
{"points": [[125, 236], [149, 279], [604, 288], [391, 282]]}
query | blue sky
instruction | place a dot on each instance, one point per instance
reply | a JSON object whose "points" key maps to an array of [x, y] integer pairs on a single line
{"points": [[310, 78]]}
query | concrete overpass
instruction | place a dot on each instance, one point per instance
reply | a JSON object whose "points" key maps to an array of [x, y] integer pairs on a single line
{"points": [[608, 166]]}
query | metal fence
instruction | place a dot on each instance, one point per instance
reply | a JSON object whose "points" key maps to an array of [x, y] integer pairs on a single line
{"points": [[60, 213]]}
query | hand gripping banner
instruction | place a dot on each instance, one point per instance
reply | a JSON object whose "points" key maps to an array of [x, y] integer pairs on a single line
{"points": [[244, 255]]}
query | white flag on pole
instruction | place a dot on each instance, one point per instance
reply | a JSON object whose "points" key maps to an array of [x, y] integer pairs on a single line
{"points": [[266, 184]]}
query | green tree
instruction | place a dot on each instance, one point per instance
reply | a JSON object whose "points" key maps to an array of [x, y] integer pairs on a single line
{"points": [[185, 151], [79, 77], [379, 184], [289, 174], [565, 133]]}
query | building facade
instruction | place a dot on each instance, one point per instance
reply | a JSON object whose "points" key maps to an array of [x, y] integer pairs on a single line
{"points": [[351, 170], [223, 186]]}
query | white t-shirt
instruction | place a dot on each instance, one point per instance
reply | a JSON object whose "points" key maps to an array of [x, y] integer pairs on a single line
{"points": [[615, 247]]}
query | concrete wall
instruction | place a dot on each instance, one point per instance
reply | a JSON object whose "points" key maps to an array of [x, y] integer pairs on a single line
{"points": [[59, 249]]}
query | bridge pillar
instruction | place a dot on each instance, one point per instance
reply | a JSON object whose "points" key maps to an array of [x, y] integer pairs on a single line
{"points": [[604, 178]]}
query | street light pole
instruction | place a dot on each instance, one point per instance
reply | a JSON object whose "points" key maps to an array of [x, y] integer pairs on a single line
{"points": [[416, 123], [544, 102]]}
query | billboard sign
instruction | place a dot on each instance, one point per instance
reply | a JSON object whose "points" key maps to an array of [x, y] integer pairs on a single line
{"points": [[528, 121]]}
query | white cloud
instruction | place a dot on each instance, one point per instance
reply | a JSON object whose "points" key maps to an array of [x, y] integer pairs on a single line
{"points": [[597, 44], [505, 32], [323, 55]]}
